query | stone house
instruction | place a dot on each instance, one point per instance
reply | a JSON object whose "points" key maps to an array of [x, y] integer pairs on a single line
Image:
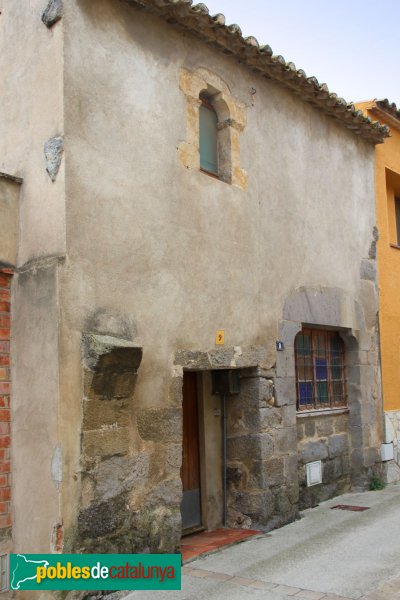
{"points": [[387, 184], [186, 225]]}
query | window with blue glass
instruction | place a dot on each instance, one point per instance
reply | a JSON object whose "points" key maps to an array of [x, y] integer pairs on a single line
{"points": [[208, 127], [320, 370]]}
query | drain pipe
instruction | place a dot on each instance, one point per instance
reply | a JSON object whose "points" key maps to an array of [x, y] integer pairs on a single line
{"points": [[224, 455]]}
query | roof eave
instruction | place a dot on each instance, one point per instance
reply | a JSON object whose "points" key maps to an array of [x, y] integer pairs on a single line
{"points": [[260, 59]]}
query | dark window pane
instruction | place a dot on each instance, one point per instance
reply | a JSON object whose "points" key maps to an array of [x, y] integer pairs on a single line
{"points": [[338, 392], [208, 140], [336, 344], [303, 344], [322, 392], [305, 393], [319, 359], [320, 368]]}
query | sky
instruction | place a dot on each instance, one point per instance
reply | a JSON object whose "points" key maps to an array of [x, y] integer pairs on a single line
{"points": [[353, 46]]}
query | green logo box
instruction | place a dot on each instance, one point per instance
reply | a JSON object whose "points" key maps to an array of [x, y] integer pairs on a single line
{"points": [[95, 571]]}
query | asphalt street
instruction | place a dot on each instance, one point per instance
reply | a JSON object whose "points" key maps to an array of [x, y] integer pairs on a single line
{"points": [[329, 554]]}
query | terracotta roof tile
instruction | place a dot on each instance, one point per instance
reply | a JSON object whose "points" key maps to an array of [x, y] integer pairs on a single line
{"points": [[229, 39], [389, 108]]}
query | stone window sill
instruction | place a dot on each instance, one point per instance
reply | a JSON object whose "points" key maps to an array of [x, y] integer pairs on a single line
{"points": [[320, 413], [395, 246]]}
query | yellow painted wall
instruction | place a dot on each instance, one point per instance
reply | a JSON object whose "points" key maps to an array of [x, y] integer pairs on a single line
{"points": [[387, 181]]}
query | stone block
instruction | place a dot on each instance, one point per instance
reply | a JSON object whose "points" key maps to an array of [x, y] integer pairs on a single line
{"points": [[270, 417], [103, 518], [173, 460], [293, 492], [391, 472], [313, 450], [368, 269], [355, 412], [338, 467], [108, 386], [251, 420], [265, 391], [369, 299], [355, 358], [345, 464], [285, 390], [255, 392], [288, 331], [325, 425], [372, 456], [309, 427], [357, 459], [244, 447], [266, 445], [285, 365], [289, 415], [52, 13], [300, 430], [338, 445], [221, 358], [155, 529], [100, 413], [290, 466], [108, 442], [251, 356], [328, 305], [234, 475], [353, 374], [285, 440], [341, 423], [259, 506], [160, 424], [175, 393], [283, 506], [359, 437], [119, 474], [192, 359], [166, 493], [53, 150], [328, 472], [268, 473]]}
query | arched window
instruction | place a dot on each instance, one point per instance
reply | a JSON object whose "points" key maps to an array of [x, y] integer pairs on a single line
{"points": [[208, 141], [320, 370]]}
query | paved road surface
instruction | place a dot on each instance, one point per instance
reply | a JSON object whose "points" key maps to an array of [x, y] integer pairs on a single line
{"points": [[327, 555]]}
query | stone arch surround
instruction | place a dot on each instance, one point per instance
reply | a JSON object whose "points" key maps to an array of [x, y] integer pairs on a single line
{"points": [[335, 308]]}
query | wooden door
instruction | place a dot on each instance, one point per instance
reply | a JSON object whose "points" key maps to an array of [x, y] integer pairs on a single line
{"points": [[190, 471]]}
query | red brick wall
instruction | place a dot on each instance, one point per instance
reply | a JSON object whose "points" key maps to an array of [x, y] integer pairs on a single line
{"points": [[5, 383]]}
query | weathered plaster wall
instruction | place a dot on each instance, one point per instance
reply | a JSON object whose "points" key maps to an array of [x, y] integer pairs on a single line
{"points": [[9, 220], [31, 113], [36, 459], [162, 255]]}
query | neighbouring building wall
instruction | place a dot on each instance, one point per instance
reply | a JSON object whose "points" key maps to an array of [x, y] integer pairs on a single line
{"points": [[5, 406], [31, 116], [387, 182], [161, 256]]}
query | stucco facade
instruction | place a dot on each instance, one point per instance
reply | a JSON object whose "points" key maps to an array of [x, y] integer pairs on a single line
{"points": [[387, 182], [129, 259]]}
